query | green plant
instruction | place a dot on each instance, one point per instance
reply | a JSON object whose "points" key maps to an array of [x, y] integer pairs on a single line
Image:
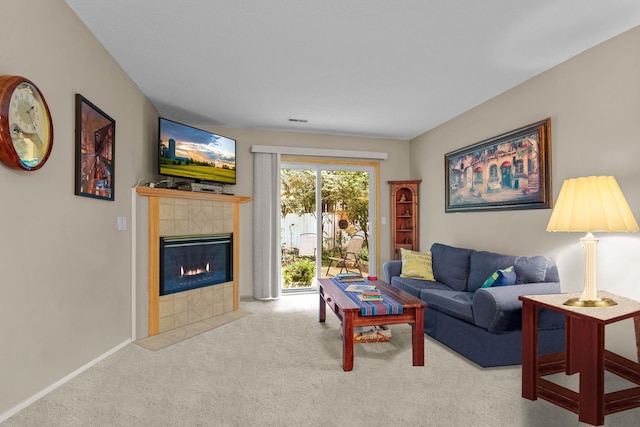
{"points": [[298, 272]]}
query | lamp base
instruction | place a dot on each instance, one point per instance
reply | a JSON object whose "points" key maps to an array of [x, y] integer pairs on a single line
{"points": [[577, 302]]}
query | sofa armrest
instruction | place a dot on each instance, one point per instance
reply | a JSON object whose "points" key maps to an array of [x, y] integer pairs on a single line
{"points": [[391, 268], [499, 309]]}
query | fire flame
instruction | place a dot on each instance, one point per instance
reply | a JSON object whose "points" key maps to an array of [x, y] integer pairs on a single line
{"points": [[194, 272]]}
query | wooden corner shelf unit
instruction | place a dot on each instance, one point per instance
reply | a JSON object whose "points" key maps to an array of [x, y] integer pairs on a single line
{"points": [[404, 216]]}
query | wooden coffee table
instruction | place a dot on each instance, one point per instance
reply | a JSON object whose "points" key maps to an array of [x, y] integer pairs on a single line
{"points": [[350, 315]]}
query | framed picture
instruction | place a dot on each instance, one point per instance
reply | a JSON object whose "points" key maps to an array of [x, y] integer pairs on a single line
{"points": [[95, 151], [509, 171]]}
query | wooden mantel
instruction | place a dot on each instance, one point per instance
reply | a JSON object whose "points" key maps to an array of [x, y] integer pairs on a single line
{"points": [[198, 195], [154, 195]]}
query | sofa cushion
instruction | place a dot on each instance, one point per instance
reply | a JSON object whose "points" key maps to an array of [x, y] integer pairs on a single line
{"points": [[416, 265], [483, 264], [504, 277], [532, 269], [451, 266], [414, 286], [454, 303]]}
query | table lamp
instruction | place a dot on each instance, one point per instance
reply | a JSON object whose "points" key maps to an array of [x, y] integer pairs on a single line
{"points": [[591, 204]]}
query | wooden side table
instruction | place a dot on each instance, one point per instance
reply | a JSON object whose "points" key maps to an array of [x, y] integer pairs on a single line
{"points": [[584, 354], [636, 322]]}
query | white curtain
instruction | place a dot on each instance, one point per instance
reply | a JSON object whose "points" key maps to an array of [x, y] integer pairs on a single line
{"points": [[266, 226]]}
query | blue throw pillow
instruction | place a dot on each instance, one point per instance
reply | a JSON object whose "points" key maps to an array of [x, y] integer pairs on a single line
{"points": [[505, 277]]}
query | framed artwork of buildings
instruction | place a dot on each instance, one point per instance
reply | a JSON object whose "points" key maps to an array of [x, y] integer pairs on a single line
{"points": [[508, 171]]}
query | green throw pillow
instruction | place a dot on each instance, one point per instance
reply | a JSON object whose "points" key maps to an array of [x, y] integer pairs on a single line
{"points": [[416, 265], [505, 277]]}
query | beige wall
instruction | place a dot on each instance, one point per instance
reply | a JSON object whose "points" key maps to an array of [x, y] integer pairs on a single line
{"points": [[594, 104], [64, 267]]}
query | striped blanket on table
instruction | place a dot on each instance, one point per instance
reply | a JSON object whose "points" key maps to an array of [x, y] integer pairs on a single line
{"points": [[371, 308]]}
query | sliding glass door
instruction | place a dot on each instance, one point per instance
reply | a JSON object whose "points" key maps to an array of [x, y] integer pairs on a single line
{"points": [[326, 215]]}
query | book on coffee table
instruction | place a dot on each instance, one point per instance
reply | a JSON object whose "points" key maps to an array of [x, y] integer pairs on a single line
{"points": [[349, 277], [370, 297], [359, 288]]}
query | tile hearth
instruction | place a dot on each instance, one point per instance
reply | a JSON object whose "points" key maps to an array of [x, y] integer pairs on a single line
{"points": [[173, 336]]}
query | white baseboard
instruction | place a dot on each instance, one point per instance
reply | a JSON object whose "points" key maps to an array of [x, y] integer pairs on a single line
{"points": [[11, 412]]}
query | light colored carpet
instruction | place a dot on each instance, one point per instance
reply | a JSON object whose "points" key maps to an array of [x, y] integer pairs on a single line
{"points": [[280, 367]]}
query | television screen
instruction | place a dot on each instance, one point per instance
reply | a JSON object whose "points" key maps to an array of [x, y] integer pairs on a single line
{"points": [[188, 152]]}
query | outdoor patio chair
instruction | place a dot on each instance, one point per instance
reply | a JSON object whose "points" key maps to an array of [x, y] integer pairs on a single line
{"points": [[351, 256], [307, 245]]}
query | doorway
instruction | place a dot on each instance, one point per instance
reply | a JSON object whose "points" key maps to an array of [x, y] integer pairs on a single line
{"points": [[326, 216]]}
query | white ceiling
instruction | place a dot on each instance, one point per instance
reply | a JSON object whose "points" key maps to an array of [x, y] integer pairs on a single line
{"points": [[378, 68]]}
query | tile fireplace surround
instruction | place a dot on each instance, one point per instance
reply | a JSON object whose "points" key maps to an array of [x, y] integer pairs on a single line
{"points": [[173, 213]]}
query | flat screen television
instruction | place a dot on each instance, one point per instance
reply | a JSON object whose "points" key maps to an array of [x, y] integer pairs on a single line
{"points": [[188, 152]]}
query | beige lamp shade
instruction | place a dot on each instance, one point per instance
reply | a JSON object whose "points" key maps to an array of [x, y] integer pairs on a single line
{"points": [[594, 203], [590, 204]]}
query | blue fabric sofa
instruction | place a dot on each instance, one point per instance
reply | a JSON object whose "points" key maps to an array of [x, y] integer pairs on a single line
{"points": [[483, 324]]}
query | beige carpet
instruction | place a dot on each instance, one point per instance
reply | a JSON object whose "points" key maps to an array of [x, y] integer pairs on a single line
{"points": [[280, 367]]}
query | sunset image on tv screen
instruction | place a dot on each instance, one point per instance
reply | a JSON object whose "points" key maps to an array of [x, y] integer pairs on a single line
{"points": [[194, 153]]}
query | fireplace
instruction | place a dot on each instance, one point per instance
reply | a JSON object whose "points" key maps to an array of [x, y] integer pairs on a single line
{"points": [[191, 262]]}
